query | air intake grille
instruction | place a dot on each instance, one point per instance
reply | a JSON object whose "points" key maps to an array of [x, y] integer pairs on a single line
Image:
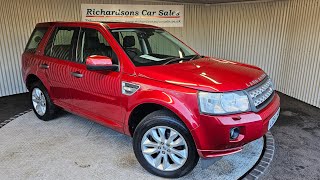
{"points": [[261, 92]]}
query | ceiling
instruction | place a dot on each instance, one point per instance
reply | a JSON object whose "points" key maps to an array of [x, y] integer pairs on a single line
{"points": [[207, 1]]}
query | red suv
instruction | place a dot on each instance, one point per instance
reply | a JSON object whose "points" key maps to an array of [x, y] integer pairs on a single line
{"points": [[141, 81]]}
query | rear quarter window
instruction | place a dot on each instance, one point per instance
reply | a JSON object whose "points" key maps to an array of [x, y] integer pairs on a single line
{"points": [[35, 39]]}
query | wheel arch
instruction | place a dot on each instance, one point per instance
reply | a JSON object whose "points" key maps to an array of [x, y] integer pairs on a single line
{"points": [[141, 110], [32, 78]]}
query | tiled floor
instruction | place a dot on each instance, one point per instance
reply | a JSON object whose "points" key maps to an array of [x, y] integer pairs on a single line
{"points": [[296, 133]]}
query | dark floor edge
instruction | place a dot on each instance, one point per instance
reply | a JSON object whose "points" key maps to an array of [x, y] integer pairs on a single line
{"points": [[264, 161], [5, 122]]}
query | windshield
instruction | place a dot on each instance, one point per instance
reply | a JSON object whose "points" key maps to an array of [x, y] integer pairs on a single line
{"points": [[148, 47]]}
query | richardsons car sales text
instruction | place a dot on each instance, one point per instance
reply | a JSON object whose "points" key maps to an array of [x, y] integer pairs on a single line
{"points": [[102, 12]]}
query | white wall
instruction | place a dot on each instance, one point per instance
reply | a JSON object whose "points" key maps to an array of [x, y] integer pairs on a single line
{"points": [[282, 37]]}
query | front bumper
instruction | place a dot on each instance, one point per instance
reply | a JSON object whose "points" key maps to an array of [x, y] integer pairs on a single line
{"points": [[212, 137]]}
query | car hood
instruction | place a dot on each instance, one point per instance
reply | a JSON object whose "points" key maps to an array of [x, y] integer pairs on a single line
{"points": [[206, 74]]}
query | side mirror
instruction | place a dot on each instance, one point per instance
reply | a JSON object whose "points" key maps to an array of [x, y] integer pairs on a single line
{"points": [[100, 63]]}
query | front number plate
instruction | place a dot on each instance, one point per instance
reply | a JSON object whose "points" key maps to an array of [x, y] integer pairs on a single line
{"points": [[273, 119]]}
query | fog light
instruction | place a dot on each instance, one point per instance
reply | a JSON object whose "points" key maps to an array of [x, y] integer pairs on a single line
{"points": [[234, 133]]}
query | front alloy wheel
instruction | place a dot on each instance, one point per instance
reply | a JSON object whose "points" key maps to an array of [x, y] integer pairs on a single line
{"points": [[164, 148]]}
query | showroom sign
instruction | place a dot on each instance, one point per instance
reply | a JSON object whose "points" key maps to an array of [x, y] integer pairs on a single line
{"points": [[158, 15]]}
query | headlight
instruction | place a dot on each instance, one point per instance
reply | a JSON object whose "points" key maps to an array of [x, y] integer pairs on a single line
{"points": [[223, 103]]}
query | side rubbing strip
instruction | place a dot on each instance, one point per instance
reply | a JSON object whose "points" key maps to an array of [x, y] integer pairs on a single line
{"points": [[129, 88]]}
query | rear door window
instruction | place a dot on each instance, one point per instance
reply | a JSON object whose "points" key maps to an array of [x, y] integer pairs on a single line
{"points": [[62, 44], [35, 39]]}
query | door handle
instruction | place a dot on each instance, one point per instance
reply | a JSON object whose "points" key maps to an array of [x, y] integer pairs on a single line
{"points": [[77, 74], [44, 66]]}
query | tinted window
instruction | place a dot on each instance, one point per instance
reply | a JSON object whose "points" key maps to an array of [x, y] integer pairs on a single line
{"points": [[62, 43], [35, 39], [148, 47], [132, 35], [93, 43], [161, 45]]}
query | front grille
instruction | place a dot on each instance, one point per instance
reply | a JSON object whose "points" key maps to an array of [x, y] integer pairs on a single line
{"points": [[261, 92]]}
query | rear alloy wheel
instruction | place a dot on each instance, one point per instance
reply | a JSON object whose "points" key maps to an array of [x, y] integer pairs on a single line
{"points": [[164, 146], [41, 103]]}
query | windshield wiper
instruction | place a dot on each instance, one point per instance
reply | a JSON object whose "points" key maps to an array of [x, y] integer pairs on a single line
{"points": [[197, 56], [175, 59]]}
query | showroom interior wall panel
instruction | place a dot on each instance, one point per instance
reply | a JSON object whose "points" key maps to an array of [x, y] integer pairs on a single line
{"points": [[303, 61], [282, 37]]}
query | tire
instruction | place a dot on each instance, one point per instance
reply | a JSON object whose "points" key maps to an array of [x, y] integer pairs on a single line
{"points": [[148, 133], [48, 109]]}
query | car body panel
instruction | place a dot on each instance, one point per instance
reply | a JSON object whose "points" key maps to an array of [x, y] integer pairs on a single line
{"points": [[167, 95], [206, 74], [97, 93]]}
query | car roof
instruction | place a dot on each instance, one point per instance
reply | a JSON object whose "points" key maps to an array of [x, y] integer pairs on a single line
{"points": [[110, 25]]}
